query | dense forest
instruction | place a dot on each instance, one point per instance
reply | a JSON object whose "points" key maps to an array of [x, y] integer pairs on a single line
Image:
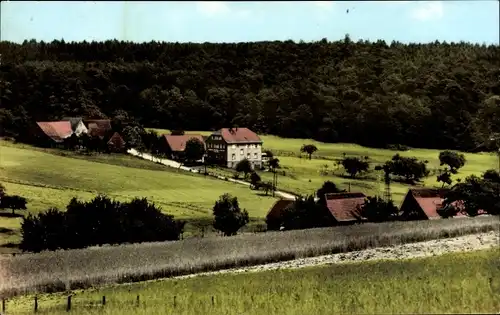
{"points": [[436, 95]]}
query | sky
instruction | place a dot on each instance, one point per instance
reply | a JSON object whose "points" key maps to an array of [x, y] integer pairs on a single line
{"points": [[214, 21]]}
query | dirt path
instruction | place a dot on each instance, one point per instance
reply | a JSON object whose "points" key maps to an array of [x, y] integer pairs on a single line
{"points": [[420, 249], [178, 165]]}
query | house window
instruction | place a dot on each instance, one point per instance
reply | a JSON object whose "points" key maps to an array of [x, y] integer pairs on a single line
{"points": [[234, 146], [255, 155], [241, 151], [248, 156], [234, 156]]}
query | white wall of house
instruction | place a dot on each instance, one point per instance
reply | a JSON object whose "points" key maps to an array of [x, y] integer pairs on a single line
{"points": [[80, 128], [238, 152]]}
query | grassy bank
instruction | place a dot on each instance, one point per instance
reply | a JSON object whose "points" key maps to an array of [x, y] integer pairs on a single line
{"points": [[50, 178], [61, 270], [451, 283]]}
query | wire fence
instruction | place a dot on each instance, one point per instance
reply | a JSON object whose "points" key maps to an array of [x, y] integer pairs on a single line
{"points": [[73, 302]]}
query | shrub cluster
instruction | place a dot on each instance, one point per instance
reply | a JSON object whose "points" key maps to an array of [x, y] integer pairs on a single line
{"points": [[96, 222]]}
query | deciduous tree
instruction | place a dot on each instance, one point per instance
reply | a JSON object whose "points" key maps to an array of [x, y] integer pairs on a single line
{"points": [[228, 217]]}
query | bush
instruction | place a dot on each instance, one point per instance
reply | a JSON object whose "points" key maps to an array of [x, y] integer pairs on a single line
{"points": [[99, 221]]}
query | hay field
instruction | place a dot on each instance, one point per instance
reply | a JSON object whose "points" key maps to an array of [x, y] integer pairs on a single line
{"points": [[82, 268], [451, 283], [302, 176], [49, 179]]}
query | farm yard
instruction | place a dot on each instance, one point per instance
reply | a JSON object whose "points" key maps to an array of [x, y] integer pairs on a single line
{"points": [[303, 176], [451, 283], [48, 179]]}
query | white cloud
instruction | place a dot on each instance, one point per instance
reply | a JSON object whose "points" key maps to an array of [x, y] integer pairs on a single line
{"points": [[323, 4], [212, 8], [428, 10]]}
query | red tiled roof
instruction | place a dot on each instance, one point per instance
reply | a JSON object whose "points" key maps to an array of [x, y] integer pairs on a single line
{"points": [[100, 123], [94, 130], [56, 130], [430, 200], [178, 142], [239, 135], [279, 206], [344, 206], [117, 141]]}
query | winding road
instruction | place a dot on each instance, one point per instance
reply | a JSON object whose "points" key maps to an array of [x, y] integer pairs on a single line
{"points": [[174, 164]]}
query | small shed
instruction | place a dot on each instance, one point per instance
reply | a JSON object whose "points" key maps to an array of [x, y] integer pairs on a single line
{"points": [[116, 143]]}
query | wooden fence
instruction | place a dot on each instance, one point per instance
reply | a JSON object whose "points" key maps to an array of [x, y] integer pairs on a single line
{"points": [[69, 305]]}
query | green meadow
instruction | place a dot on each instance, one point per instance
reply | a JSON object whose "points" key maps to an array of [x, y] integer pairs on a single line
{"points": [[304, 176], [50, 178], [451, 283]]}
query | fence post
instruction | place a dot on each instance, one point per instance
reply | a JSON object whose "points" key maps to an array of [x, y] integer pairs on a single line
{"points": [[36, 303], [138, 301], [68, 306], [103, 300], [213, 301], [175, 302], [3, 305]]}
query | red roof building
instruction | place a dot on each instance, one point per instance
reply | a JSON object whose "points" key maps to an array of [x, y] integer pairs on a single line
{"points": [[178, 143], [423, 204], [98, 127], [275, 212], [116, 143], [239, 135], [345, 206], [56, 130]]}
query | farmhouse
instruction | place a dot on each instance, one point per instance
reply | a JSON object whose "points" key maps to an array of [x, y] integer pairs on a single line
{"points": [[175, 145], [228, 146], [423, 204], [99, 127], [53, 132], [77, 125], [273, 216], [345, 206]]}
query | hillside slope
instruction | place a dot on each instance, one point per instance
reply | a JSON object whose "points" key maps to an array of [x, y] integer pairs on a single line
{"points": [[423, 95]]}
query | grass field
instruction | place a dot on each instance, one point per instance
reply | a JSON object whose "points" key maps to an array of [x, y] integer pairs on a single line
{"points": [[303, 176], [82, 268], [452, 283], [49, 179]]}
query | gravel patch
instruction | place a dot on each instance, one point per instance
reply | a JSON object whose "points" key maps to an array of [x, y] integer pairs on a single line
{"points": [[406, 251]]}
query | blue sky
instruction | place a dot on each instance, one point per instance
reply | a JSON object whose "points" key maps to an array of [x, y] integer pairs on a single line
{"points": [[404, 21]]}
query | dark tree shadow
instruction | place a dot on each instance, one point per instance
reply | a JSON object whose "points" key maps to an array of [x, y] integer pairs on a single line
{"points": [[10, 215], [6, 230]]}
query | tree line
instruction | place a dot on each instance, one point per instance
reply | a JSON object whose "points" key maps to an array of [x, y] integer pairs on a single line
{"points": [[436, 95]]}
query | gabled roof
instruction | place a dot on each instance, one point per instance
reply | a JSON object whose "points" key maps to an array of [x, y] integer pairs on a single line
{"points": [[278, 207], [95, 130], [177, 143], [116, 140], [104, 124], [345, 206], [56, 130], [74, 121], [239, 135], [430, 200]]}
